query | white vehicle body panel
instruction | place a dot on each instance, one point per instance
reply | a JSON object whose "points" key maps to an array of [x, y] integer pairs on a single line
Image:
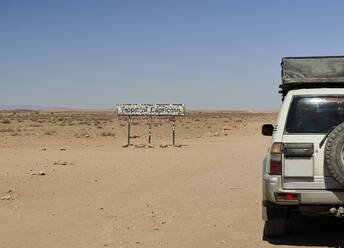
{"points": [[307, 176]]}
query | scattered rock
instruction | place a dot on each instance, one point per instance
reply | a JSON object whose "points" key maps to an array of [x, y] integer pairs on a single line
{"points": [[87, 136], [140, 146], [216, 134], [60, 162], [163, 146], [44, 149], [62, 149], [156, 228], [125, 145], [7, 197], [41, 173], [163, 222], [150, 146]]}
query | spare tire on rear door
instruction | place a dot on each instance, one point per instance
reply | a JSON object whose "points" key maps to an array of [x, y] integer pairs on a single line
{"points": [[334, 153]]}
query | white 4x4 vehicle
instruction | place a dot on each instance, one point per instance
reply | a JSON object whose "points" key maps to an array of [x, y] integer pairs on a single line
{"points": [[303, 171]]}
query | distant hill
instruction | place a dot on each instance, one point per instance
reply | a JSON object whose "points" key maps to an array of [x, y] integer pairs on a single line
{"points": [[56, 109], [22, 107]]}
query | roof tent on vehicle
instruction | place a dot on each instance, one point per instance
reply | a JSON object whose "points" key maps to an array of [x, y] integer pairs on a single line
{"points": [[312, 72]]}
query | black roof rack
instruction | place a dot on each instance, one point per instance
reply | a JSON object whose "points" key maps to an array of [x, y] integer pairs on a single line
{"points": [[311, 72]]}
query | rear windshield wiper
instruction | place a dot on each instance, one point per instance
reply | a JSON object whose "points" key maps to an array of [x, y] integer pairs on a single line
{"points": [[328, 133]]}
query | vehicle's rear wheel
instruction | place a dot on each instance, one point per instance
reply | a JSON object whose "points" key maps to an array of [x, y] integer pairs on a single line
{"points": [[275, 228]]}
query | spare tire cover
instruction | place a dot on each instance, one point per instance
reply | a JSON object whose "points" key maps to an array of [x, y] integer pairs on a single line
{"points": [[334, 153]]}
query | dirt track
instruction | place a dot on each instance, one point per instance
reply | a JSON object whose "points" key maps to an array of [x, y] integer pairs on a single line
{"points": [[204, 194]]}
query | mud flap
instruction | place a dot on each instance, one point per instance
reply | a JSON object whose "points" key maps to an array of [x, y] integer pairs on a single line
{"points": [[273, 211]]}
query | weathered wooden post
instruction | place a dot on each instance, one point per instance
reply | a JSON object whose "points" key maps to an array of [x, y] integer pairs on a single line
{"points": [[128, 130], [173, 130], [149, 129]]}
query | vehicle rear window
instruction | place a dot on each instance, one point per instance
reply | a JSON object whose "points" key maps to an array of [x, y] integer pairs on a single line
{"points": [[315, 114]]}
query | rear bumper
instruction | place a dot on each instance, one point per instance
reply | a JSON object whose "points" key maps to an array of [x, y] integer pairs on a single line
{"points": [[272, 185]]}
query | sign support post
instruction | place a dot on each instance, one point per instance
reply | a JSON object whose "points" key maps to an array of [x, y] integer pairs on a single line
{"points": [[149, 129], [128, 130], [173, 130]]}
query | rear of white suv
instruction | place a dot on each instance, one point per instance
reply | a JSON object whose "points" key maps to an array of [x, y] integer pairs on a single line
{"points": [[302, 170]]}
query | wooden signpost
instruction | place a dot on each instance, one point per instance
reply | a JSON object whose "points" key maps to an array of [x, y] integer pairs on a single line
{"points": [[151, 110]]}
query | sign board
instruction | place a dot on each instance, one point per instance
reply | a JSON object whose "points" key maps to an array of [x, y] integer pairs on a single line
{"points": [[151, 109]]}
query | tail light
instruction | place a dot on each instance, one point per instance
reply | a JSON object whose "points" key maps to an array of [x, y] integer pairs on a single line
{"points": [[287, 197], [275, 159]]}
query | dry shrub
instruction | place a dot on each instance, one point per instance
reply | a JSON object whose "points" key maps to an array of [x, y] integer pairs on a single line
{"points": [[35, 125], [49, 132], [6, 130], [108, 134], [34, 119], [84, 123]]}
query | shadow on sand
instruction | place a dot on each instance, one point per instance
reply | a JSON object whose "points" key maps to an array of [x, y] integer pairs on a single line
{"points": [[313, 231]]}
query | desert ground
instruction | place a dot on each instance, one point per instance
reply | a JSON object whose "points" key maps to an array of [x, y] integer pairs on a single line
{"points": [[67, 181]]}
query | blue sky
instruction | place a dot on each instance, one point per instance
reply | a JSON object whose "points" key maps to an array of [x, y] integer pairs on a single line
{"points": [[206, 54]]}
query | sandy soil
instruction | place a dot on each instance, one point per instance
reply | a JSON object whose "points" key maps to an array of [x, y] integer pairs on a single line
{"points": [[66, 181]]}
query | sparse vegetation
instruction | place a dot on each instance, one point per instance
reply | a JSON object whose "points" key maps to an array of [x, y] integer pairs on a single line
{"points": [[35, 125], [49, 132], [93, 124], [108, 134], [6, 121], [6, 130]]}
